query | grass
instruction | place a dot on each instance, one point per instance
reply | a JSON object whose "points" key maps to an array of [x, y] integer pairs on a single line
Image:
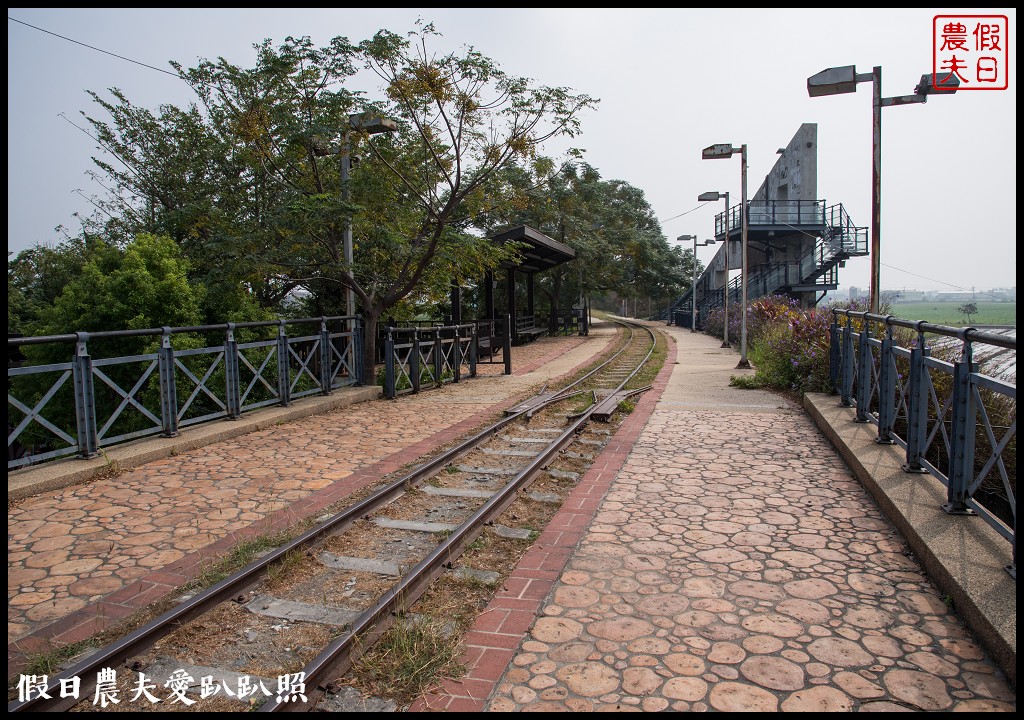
{"points": [[241, 555], [410, 658], [945, 313], [47, 663]]}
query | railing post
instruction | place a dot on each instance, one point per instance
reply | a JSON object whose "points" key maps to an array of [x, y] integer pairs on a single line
{"points": [[474, 349], [438, 359], [864, 373], [917, 405], [414, 361], [325, 358], [886, 388], [835, 356], [284, 385], [168, 385], [961, 451], [85, 399], [232, 390], [457, 353], [507, 348], [358, 364], [846, 376], [389, 365]]}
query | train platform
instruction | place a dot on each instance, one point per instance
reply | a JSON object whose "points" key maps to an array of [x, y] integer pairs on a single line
{"points": [[720, 555], [87, 549]]}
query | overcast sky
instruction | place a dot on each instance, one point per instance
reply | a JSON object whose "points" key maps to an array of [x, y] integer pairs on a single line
{"points": [[671, 82]]}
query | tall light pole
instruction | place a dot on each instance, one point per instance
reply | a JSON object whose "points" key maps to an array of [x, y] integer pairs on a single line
{"points": [[716, 152], [693, 282], [840, 80], [372, 125], [712, 197]]}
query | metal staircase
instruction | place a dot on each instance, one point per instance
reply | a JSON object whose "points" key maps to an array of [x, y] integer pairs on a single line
{"points": [[816, 268]]}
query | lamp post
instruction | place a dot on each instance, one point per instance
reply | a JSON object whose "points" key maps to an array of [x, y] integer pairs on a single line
{"points": [[717, 152], [712, 197], [372, 125], [840, 80], [693, 282]]}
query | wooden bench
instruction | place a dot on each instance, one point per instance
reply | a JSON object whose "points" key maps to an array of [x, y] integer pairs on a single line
{"points": [[527, 330]]}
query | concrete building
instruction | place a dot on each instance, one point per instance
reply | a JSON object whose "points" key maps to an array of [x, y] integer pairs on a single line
{"points": [[796, 241]]}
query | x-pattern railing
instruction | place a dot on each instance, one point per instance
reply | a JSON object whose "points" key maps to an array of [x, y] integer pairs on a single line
{"points": [[128, 397], [415, 358], [34, 414], [257, 374], [302, 365], [112, 399], [200, 385], [938, 414]]}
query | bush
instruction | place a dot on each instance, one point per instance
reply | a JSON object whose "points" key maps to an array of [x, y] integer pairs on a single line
{"points": [[787, 345]]}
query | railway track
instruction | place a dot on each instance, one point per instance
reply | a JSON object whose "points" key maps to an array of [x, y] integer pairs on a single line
{"points": [[297, 619]]}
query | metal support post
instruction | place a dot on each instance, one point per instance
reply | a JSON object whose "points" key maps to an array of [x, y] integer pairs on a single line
{"points": [[864, 373], [846, 376], [507, 349], [389, 365], [438, 358], [474, 349], [414, 361], [917, 406], [358, 330], [886, 389], [835, 358], [284, 389], [232, 382], [961, 460], [85, 399], [168, 386], [325, 358], [457, 353]]}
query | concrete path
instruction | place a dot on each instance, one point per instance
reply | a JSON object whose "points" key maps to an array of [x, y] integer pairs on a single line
{"points": [[82, 557], [720, 556]]}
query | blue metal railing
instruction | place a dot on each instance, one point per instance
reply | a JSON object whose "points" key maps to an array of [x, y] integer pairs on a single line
{"points": [[840, 240], [111, 400], [939, 411], [416, 358], [774, 212]]}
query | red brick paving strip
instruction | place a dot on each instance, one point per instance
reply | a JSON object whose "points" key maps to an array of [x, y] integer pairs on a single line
{"points": [[111, 599], [492, 641]]}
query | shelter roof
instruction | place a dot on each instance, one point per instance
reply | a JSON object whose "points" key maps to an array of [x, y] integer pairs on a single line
{"points": [[541, 252]]}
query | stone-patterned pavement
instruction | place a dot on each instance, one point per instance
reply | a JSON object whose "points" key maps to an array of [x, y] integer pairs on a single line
{"points": [[86, 555], [729, 561]]}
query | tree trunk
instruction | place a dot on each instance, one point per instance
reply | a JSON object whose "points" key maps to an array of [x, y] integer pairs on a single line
{"points": [[370, 319]]}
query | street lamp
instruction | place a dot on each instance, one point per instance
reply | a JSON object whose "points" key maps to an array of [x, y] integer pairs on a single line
{"points": [[712, 197], [693, 283], [372, 125], [840, 80], [717, 152]]}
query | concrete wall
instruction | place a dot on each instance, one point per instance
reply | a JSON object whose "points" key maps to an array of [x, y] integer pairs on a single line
{"points": [[795, 174], [794, 177]]}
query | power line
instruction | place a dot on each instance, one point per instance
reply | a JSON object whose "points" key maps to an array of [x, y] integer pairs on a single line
{"points": [[681, 214], [940, 282], [106, 52]]}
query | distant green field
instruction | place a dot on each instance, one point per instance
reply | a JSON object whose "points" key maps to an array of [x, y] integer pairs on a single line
{"points": [[945, 313]]}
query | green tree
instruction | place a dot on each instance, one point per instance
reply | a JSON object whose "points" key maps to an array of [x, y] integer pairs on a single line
{"points": [[618, 241], [263, 153], [143, 286], [968, 309]]}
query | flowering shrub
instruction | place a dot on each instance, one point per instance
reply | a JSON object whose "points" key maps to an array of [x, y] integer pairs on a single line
{"points": [[787, 345]]}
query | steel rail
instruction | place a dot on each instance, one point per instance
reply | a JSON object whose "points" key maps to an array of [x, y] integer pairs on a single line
{"points": [[337, 658], [144, 637]]}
